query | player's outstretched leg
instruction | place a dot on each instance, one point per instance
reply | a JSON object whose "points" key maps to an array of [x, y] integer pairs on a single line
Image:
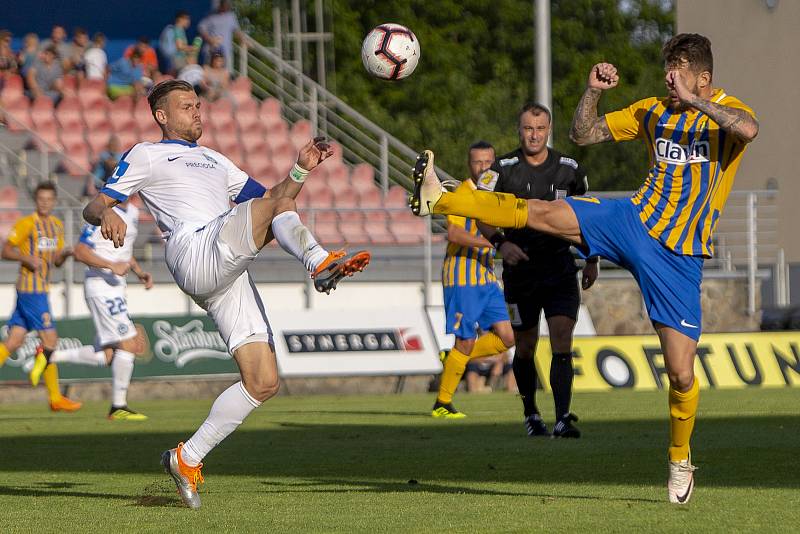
{"points": [[326, 268], [429, 197]]}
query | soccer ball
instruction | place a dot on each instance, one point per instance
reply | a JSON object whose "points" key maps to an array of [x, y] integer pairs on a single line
{"points": [[390, 51]]}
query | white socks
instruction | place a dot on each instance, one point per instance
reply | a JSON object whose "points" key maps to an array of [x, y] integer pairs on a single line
{"points": [[297, 240], [227, 413], [84, 355], [121, 372]]}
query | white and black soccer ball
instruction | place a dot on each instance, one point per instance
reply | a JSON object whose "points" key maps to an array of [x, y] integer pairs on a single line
{"points": [[390, 51]]}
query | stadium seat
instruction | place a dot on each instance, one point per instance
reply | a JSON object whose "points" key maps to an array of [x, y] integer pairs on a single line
{"points": [[241, 89], [270, 111], [121, 111], [346, 200], [71, 138], [408, 229], [397, 197], [362, 177], [9, 197], [42, 111], [46, 138], [371, 198], [255, 145], [79, 160], [128, 137], [247, 119], [97, 141], [93, 86], [70, 84], [149, 132], [375, 225], [322, 199], [68, 114], [283, 158], [18, 117], [96, 115], [13, 87], [219, 108], [141, 111], [338, 176], [353, 232], [276, 135], [300, 134]]}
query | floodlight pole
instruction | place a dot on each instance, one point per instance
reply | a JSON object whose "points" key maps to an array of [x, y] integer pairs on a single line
{"points": [[542, 58]]}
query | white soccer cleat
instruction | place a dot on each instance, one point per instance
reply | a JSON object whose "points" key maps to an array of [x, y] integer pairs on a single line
{"points": [[681, 481], [427, 186]]}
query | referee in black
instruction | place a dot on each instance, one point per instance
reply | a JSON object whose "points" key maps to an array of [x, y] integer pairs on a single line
{"points": [[539, 271]]}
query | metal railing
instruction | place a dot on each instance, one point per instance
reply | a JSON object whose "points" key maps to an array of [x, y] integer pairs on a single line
{"points": [[302, 98]]}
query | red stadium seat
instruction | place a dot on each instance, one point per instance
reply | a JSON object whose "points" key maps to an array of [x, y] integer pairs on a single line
{"points": [[13, 87], [79, 162], [247, 119], [270, 111], [97, 141], [121, 110], [376, 228], [47, 137], [128, 137], [90, 99], [70, 84], [408, 229], [362, 177], [283, 158], [18, 117], [95, 115], [71, 138], [255, 145], [68, 114], [141, 111], [353, 232], [346, 199], [9, 197], [276, 135], [150, 132], [300, 134], [338, 176], [241, 89], [93, 86], [42, 110], [371, 198], [397, 197]]}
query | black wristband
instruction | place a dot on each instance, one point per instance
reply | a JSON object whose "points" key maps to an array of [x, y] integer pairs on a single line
{"points": [[497, 239]]}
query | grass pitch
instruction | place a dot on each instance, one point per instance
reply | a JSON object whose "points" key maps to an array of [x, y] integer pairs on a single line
{"points": [[382, 464]]}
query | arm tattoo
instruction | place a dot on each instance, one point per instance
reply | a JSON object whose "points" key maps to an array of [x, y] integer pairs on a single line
{"points": [[735, 121], [587, 127]]}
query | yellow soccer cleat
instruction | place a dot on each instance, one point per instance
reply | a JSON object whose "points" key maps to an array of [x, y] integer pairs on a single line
{"points": [[125, 414], [65, 405], [39, 363], [446, 411]]}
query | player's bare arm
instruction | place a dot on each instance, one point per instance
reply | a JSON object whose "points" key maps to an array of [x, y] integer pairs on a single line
{"points": [[85, 255], [100, 212], [734, 121], [459, 236], [511, 252], [12, 253], [61, 256], [587, 127], [310, 157], [143, 276]]}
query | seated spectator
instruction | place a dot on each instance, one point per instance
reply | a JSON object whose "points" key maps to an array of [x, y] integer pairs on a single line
{"points": [[95, 59], [492, 373], [216, 79], [147, 54], [8, 61], [58, 39], [104, 166], [125, 77], [192, 73], [173, 45], [73, 63], [29, 53], [46, 77]]}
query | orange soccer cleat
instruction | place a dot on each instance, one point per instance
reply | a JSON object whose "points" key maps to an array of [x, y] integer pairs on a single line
{"points": [[336, 266], [186, 477], [64, 404]]}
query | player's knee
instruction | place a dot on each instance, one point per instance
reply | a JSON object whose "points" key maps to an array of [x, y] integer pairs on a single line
{"points": [[681, 380], [262, 388]]}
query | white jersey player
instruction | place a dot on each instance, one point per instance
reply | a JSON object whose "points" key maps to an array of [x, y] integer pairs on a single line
{"points": [[209, 246], [104, 290]]}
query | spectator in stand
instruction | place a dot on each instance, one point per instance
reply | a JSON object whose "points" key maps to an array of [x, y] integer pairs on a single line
{"points": [[104, 166], [173, 44], [73, 62], [58, 39], [193, 73], [29, 53], [8, 61], [125, 76], [46, 77], [147, 54], [95, 59], [217, 30], [216, 78]]}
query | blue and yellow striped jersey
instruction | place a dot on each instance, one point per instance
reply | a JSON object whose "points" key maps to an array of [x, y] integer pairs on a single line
{"points": [[467, 266], [37, 236], [693, 163]]}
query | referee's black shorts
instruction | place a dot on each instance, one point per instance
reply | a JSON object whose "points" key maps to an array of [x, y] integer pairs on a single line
{"points": [[526, 297]]}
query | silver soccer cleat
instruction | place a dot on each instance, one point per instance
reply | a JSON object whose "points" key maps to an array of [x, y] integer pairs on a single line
{"points": [[186, 478]]}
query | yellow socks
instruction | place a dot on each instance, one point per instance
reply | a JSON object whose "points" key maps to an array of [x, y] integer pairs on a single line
{"points": [[488, 344], [454, 367], [4, 354], [682, 410], [50, 376], [495, 209]]}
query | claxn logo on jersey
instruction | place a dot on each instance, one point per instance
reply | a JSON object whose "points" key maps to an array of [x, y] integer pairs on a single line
{"points": [[668, 151], [47, 243], [374, 340]]}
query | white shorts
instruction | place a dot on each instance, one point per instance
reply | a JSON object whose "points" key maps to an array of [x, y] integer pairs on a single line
{"points": [[110, 315], [210, 265]]}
